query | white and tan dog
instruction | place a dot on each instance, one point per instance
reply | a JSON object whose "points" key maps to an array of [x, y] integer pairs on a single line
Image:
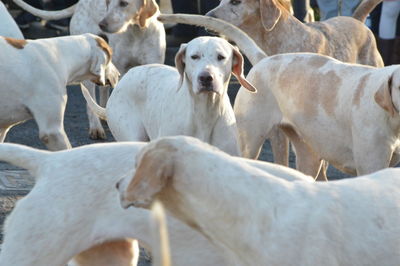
{"points": [[8, 27], [255, 218], [157, 100], [35, 74], [131, 27], [275, 30], [344, 113], [74, 206]]}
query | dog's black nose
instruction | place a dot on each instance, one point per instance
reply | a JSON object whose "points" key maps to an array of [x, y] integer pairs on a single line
{"points": [[117, 185], [205, 79], [103, 25]]}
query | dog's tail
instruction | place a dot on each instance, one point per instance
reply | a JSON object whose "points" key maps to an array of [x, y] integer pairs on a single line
{"points": [[44, 14], [253, 52], [22, 156], [159, 229], [364, 8], [97, 109]]}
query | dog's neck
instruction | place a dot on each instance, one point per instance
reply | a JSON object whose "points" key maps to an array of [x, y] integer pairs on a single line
{"points": [[205, 110], [276, 40], [219, 199], [75, 56]]}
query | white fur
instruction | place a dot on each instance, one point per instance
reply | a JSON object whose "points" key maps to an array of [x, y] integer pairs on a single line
{"points": [[255, 218], [157, 100], [330, 107], [132, 45], [35, 76], [75, 205], [8, 27]]}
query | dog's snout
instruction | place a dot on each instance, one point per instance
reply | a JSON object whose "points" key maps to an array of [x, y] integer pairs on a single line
{"points": [[103, 25], [205, 78], [211, 14]]}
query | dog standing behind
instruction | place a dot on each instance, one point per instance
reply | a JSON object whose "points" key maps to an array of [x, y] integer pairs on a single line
{"points": [[157, 100], [39, 92], [131, 27], [255, 218]]}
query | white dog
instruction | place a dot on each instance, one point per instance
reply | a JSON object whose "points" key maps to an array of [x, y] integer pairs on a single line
{"points": [[157, 100], [131, 27], [343, 113], [8, 27], [74, 206], [255, 218], [35, 74]]}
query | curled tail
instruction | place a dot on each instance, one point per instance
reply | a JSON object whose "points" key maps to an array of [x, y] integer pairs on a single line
{"points": [[22, 156], [44, 14], [247, 45], [97, 109], [160, 240], [364, 8]]}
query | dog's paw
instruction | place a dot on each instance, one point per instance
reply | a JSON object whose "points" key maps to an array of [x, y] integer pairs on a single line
{"points": [[97, 133]]}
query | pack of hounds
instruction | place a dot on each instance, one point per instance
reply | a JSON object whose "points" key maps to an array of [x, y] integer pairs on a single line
{"points": [[320, 87]]}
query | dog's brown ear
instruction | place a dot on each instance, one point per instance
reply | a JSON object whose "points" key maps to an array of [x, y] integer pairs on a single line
{"points": [[180, 62], [270, 13], [148, 10], [237, 70], [383, 97], [153, 171]]}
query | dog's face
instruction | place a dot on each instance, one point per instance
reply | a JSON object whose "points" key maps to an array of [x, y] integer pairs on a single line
{"points": [[388, 95], [103, 70], [236, 12], [122, 13], [154, 169], [206, 63], [245, 13]]}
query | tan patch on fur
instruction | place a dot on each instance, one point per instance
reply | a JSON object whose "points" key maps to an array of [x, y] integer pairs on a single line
{"points": [[318, 62], [105, 47], [360, 90], [330, 89], [110, 253], [152, 172], [310, 91], [19, 44]]}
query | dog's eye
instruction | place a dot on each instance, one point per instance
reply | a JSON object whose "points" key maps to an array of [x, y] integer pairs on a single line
{"points": [[195, 57], [220, 57], [123, 4], [235, 2]]}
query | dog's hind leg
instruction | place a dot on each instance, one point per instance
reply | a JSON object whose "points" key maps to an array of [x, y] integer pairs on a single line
{"points": [[280, 146]]}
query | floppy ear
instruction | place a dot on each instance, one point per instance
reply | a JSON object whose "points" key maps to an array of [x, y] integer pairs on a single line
{"points": [[153, 171], [237, 70], [112, 75], [270, 13], [180, 62], [383, 97], [97, 68], [148, 10]]}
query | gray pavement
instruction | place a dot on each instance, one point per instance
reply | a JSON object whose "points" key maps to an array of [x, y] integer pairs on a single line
{"points": [[15, 183]]}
